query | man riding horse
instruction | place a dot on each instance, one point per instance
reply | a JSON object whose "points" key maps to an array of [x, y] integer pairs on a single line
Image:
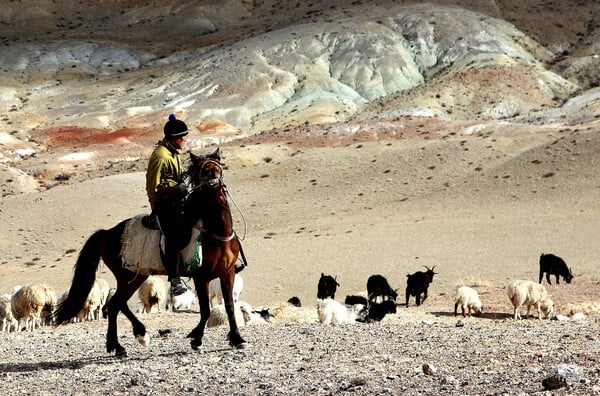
{"points": [[166, 192]]}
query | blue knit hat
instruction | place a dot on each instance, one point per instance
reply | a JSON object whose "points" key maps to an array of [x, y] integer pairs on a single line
{"points": [[175, 127]]}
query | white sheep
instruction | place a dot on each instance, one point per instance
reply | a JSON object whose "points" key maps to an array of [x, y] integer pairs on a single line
{"points": [[524, 292], [152, 292], [104, 290], [47, 314], [468, 300], [218, 315], [9, 323], [284, 312], [182, 301], [110, 294], [214, 290], [27, 304], [334, 312]]}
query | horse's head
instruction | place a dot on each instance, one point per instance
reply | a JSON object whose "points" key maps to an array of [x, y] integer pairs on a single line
{"points": [[206, 169]]}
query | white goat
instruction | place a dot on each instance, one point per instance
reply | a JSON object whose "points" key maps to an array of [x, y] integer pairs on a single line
{"points": [[182, 301], [9, 323], [524, 292], [468, 300], [152, 292], [334, 312], [214, 290]]}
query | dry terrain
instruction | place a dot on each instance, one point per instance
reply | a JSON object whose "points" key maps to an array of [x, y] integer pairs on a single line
{"points": [[359, 137]]}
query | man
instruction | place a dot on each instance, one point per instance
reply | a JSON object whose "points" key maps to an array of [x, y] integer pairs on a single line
{"points": [[166, 193]]}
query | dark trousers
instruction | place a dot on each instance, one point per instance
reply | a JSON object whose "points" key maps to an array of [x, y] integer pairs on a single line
{"points": [[170, 219]]}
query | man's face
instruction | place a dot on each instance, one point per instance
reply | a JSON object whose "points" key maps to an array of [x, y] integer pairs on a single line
{"points": [[180, 141]]}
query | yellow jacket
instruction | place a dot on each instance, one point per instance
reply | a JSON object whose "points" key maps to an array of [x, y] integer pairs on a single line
{"points": [[163, 174]]}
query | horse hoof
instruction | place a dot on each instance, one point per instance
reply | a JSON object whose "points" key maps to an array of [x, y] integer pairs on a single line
{"points": [[143, 340], [242, 345], [196, 346], [121, 354]]}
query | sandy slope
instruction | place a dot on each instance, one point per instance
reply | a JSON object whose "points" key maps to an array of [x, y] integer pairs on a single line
{"points": [[481, 209]]}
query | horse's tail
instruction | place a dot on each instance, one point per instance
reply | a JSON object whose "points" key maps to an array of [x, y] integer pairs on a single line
{"points": [[83, 278]]}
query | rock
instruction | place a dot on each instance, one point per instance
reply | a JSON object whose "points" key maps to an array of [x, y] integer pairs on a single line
{"points": [[561, 318], [429, 369], [578, 316], [562, 376]]}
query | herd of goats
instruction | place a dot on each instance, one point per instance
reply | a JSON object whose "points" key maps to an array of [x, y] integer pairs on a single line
{"points": [[31, 306]]}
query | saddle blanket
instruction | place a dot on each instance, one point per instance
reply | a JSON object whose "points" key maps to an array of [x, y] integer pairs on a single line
{"points": [[141, 250]]}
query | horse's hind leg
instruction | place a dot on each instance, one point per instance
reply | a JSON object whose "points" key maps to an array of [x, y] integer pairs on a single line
{"points": [[118, 303]]}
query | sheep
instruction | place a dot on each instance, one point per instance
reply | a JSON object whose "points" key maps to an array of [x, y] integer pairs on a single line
{"points": [[327, 286], [468, 300], [104, 290], [92, 306], [47, 314], [285, 313], [334, 312], [214, 290], [554, 265], [111, 293], [218, 315], [27, 304], [152, 292], [377, 311], [182, 301], [417, 284], [525, 292], [378, 286], [9, 323]]}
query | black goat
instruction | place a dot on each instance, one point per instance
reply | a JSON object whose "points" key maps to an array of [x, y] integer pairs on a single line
{"points": [[377, 311], [327, 286], [418, 283], [295, 301], [353, 300], [554, 265], [378, 286]]}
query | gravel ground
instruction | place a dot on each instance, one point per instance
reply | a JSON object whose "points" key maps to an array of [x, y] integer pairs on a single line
{"points": [[476, 356]]}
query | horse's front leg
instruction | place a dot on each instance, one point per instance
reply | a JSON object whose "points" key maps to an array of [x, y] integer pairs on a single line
{"points": [[198, 333], [235, 338]]}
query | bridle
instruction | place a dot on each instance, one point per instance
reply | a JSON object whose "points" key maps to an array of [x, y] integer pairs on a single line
{"points": [[213, 183]]}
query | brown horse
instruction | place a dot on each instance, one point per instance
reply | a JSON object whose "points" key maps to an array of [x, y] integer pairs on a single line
{"points": [[132, 252]]}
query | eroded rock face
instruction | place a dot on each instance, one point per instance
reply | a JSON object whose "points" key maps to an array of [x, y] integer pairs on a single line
{"points": [[259, 66]]}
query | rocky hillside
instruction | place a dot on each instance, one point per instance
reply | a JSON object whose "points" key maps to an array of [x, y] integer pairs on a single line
{"points": [[89, 82]]}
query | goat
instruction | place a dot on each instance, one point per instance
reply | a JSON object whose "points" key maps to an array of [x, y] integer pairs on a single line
{"points": [[334, 312], [214, 290], [181, 301], [295, 301], [377, 311], [525, 292], [554, 265], [468, 299], [417, 284], [378, 286], [353, 300], [326, 287]]}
